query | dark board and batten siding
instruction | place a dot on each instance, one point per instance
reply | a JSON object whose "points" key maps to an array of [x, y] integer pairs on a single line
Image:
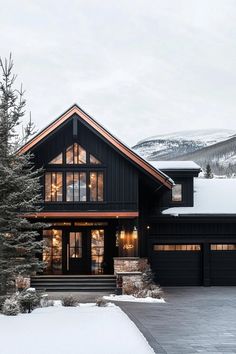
{"points": [[120, 177], [207, 267]]}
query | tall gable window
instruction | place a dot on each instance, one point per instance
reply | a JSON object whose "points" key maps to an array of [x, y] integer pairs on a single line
{"points": [[53, 186], [75, 154], [177, 193], [96, 186]]}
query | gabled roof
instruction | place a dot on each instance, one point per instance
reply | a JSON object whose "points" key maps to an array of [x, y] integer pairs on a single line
{"points": [[131, 155]]}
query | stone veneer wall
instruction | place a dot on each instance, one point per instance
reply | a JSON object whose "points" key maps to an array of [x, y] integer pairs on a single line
{"points": [[130, 264]]}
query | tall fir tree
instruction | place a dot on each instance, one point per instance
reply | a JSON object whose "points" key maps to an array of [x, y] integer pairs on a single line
{"points": [[19, 189], [208, 172]]}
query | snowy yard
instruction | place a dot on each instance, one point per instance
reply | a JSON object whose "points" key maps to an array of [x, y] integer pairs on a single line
{"points": [[86, 329], [131, 298]]}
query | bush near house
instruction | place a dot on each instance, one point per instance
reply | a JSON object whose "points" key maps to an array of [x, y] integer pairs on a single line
{"points": [[23, 302], [100, 302], [70, 301], [146, 287], [11, 306]]}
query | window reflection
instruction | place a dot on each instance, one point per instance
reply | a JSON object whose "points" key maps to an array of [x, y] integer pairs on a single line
{"points": [[93, 160], [75, 244], [97, 251], [52, 251], [177, 193], [96, 186], [53, 186], [76, 187], [75, 154], [57, 160], [177, 247], [223, 247]]}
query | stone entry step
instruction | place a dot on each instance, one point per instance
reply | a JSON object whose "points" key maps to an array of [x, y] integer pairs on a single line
{"points": [[74, 283]]}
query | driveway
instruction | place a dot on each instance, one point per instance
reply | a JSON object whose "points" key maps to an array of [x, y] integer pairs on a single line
{"points": [[193, 320]]}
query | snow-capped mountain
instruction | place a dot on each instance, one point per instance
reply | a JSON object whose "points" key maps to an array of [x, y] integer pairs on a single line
{"points": [[173, 145], [216, 147]]}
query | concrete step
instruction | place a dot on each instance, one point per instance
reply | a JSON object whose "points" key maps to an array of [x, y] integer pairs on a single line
{"points": [[75, 283]]}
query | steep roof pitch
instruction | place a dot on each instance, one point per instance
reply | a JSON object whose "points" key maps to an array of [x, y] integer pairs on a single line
{"points": [[131, 155]]}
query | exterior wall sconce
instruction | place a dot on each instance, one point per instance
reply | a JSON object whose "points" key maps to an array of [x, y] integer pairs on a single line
{"points": [[135, 233]]}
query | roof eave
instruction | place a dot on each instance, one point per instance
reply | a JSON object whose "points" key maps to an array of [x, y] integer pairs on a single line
{"points": [[75, 109]]}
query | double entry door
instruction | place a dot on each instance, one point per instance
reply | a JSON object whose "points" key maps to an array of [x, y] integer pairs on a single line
{"points": [[84, 251]]}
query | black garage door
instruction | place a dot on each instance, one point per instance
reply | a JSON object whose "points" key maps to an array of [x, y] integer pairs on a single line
{"points": [[223, 264], [176, 264]]}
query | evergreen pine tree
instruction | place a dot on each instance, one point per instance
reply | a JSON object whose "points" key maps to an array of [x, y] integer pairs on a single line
{"points": [[208, 172], [19, 189]]}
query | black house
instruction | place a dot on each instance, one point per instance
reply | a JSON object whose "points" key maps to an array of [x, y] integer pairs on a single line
{"points": [[104, 202]]}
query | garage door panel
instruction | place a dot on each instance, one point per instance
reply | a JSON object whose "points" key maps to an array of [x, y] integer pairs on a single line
{"points": [[177, 268], [223, 267]]}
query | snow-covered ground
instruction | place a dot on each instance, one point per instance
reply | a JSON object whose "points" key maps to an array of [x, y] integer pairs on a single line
{"points": [[86, 329], [131, 298]]}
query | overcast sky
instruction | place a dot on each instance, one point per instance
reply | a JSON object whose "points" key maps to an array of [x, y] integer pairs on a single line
{"points": [[139, 67]]}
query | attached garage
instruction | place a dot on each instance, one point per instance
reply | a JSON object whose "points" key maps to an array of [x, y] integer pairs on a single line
{"points": [[185, 265], [177, 264], [223, 264]]}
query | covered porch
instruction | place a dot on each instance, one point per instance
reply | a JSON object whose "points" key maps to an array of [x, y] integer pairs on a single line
{"points": [[87, 245]]}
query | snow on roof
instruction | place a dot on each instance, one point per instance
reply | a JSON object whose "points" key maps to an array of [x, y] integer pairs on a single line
{"points": [[175, 165], [211, 196]]}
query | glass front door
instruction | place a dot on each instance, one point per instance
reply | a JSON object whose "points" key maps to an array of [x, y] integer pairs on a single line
{"points": [[76, 252]]}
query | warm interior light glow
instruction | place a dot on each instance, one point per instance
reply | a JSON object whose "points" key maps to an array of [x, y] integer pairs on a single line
{"points": [[122, 235]]}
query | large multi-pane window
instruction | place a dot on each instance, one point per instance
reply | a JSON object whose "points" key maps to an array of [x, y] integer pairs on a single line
{"points": [[79, 186], [53, 186], [76, 187], [96, 186]]}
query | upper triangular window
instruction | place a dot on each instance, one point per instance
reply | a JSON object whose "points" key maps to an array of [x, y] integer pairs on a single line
{"points": [[75, 154], [93, 160], [57, 160]]}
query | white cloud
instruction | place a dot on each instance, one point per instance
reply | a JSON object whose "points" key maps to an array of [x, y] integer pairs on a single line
{"points": [[141, 68]]}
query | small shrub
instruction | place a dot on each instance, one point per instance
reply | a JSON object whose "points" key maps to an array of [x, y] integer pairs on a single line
{"points": [[70, 301], [101, 302], [157, 293], [29, 299], [11, 307], [45, 302]]}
